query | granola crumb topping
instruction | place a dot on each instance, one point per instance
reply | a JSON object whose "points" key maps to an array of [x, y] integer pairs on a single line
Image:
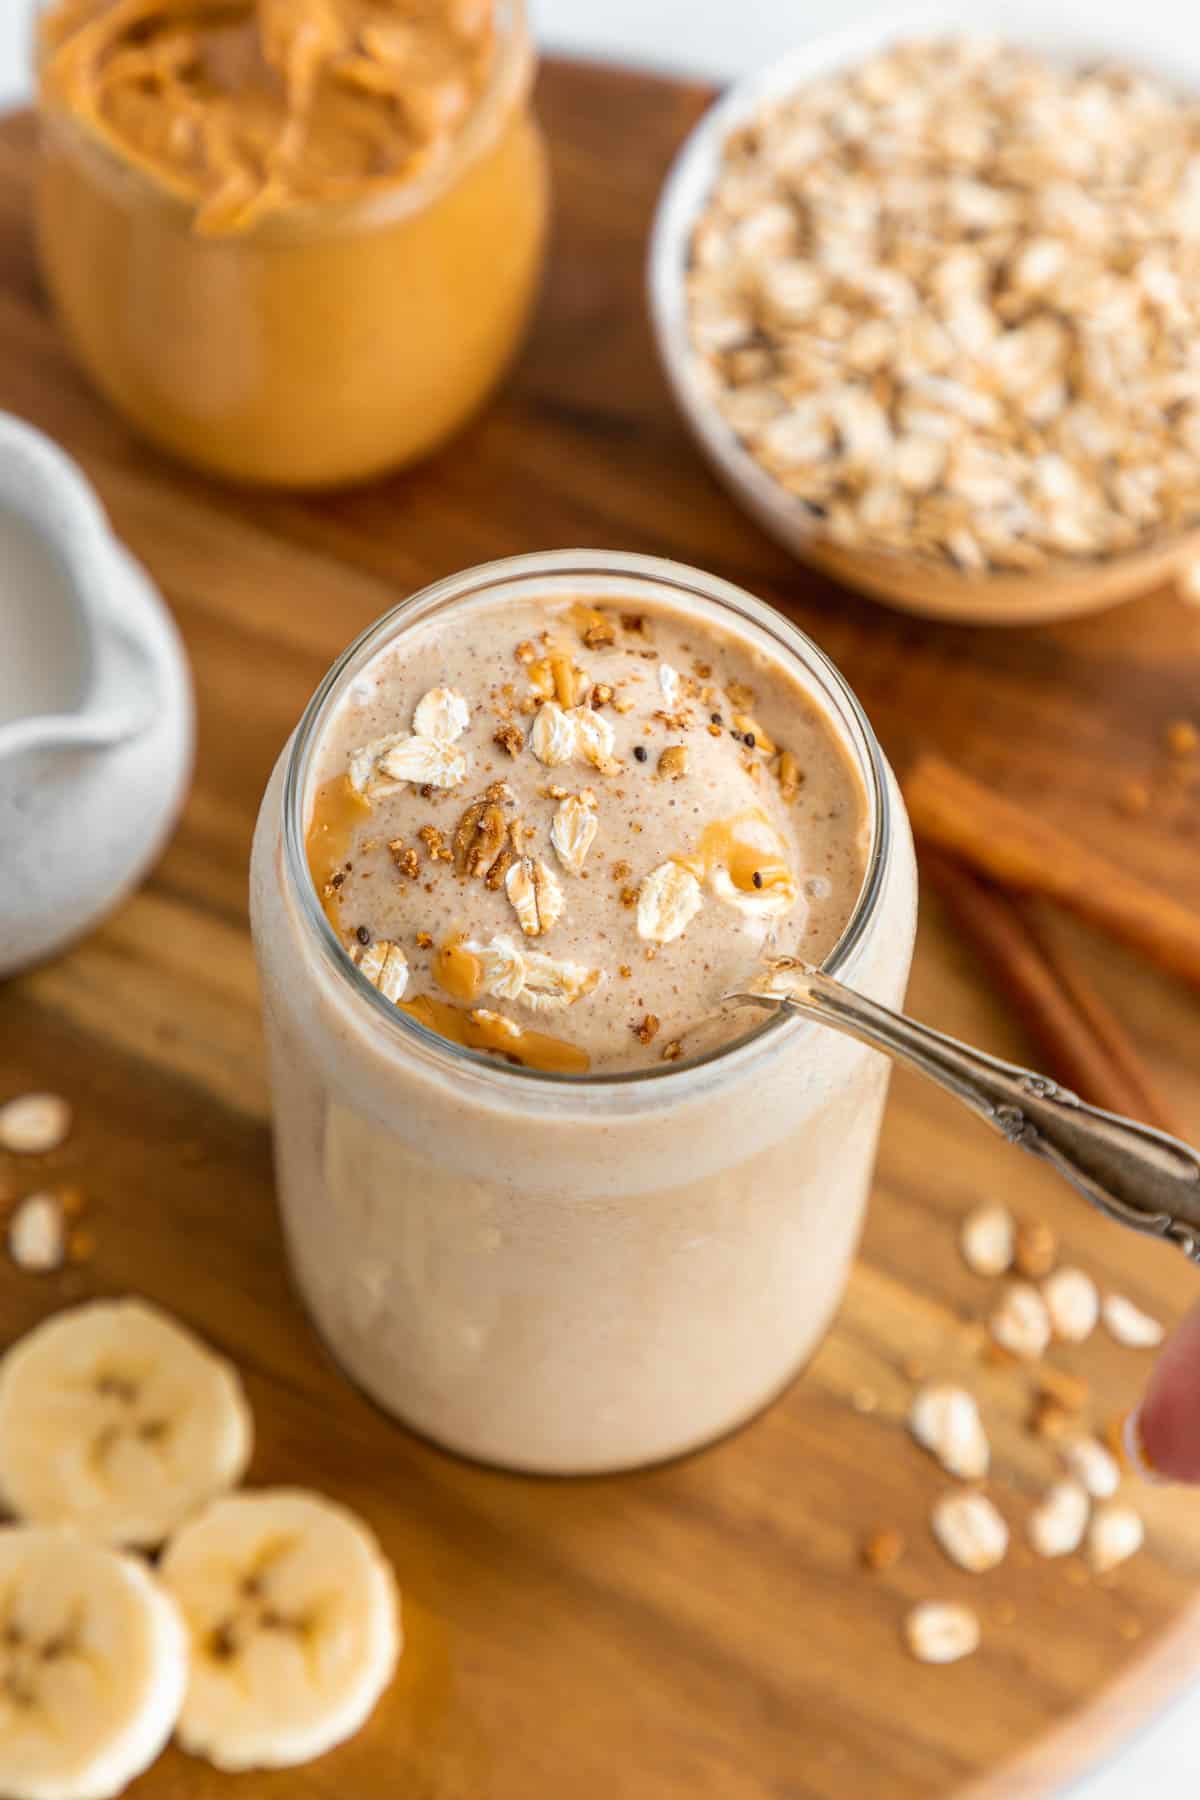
{"points": [[881, 1550], [405, 857], [435, 844]]}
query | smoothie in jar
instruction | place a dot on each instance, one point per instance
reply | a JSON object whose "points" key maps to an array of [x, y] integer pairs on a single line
{"points": [[548, 1197]]}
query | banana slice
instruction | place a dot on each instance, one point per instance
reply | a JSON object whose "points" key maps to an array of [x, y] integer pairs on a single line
{"points": [[294, 1623], [118, 1422], [93, 1667]]}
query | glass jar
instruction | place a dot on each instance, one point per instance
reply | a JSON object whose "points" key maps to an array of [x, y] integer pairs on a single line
{"points": [[327, 343], [555, 1273]]}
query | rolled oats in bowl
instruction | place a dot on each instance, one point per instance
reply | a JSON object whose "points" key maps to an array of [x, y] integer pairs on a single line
{"points": [[948, 300]]}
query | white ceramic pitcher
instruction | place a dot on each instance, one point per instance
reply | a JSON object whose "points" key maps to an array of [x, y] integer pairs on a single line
{"points": [[96, 717]]}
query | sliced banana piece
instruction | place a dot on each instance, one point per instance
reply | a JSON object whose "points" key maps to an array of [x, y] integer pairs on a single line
{"points": [[93, 1667], [294, 1622], [118, 1422]]}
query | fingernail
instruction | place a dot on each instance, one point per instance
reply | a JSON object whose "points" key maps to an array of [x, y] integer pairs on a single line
{"points": [[1133, 1442]]}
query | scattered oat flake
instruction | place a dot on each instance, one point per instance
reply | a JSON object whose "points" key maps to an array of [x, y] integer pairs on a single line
{"points": [[970, 1530], [1021, 1323], [37, 1234], [945, 1421], [1073, 1303], [941, 1631], [1130, 1325], [881, 1550], [1116, 1534], [34, 1124], [668, 900], [1057, 1525], [986, 1240], [1090, 1463]]}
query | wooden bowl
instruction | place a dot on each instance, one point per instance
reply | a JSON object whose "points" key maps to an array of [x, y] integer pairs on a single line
{"points": [[1064, 588]]}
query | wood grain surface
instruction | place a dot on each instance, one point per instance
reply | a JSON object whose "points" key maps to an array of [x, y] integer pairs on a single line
{"points": [[702, 1631]]}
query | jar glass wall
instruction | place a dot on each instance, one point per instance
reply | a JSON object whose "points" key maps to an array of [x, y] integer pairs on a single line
{"points": [[555, 1273], [330, 340]]}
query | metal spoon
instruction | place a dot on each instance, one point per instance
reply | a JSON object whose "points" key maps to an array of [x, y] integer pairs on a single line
{"points": [[1139, 1177]]}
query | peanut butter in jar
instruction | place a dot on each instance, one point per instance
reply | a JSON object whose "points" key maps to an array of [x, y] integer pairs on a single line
{"points": [[295, 242]]}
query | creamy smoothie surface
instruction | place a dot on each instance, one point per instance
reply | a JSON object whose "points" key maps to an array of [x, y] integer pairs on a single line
{"points": [[561, 831]]}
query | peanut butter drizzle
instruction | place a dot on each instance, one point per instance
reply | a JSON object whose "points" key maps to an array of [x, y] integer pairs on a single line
{"points": [[458, 971], [588, 618], [727, 844], [338, 810], [249, 106], [486, 1031]]}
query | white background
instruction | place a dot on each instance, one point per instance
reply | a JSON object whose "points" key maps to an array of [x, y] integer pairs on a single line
{"points": [[720, 38]]}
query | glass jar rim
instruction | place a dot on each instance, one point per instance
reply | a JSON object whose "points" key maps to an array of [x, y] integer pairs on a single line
{"points": [[567, 566], [509, 81]]}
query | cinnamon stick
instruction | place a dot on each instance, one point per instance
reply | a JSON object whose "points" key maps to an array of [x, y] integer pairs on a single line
{"points": [[998, 838], [1114, 1041], [1083, 1044]]}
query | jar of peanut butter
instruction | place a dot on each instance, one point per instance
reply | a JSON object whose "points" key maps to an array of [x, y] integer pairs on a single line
{"points": [[295, 242]]}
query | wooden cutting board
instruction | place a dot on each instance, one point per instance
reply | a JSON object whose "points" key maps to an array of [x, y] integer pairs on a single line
{"points": [[704, 1631]]}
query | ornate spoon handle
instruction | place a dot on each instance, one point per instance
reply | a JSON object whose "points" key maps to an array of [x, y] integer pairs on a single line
{"points": [[1139, 1177]]}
